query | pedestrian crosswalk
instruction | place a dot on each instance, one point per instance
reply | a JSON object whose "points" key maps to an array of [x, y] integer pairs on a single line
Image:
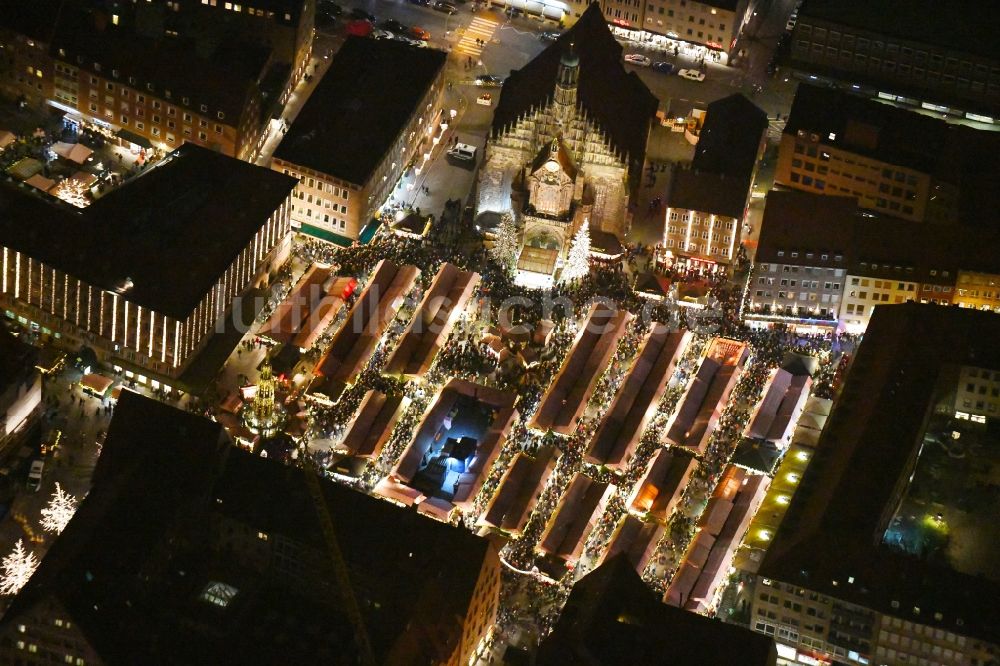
{"points": [[480, 29]]}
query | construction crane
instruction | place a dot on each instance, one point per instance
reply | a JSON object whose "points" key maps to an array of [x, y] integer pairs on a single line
{"points": [[343, 581]]}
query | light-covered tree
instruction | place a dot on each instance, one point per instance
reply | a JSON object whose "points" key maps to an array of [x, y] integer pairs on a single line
{"points": [[505, 245], [578, 261], [17, 566], [60, 509]]}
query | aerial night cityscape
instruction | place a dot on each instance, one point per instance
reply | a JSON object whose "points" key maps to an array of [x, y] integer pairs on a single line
{"points": [[474, 332]]}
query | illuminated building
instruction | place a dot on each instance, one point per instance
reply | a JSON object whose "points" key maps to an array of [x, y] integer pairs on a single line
{"points": [[83, 62], [361, 128], [822, 262], [707, 204], [712, 23], [146, 274], [562, 151]]}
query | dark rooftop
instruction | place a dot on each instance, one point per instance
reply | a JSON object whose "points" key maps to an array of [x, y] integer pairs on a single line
{"points": [[227, 69], [624, 115], [17, 362], [708, 192], [829, 541], [962, 25], [731, 138], [358, 109], [173, 231], [612, 618], [175, 507], [818, 225]]}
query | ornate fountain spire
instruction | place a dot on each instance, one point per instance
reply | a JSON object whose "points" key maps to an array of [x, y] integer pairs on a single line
{"points": [[263, 415]]}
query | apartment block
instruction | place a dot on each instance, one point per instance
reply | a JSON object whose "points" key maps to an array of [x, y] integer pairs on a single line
{"points": [[707, 203], [941, 57], [145, 300], [361, 128], [893, 161], [713, 23]]}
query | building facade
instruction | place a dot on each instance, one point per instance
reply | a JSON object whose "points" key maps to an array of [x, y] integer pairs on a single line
{"points": [[929, 62], [350, 162], [714, 23], [78, 59], [131, 321], [20, 386]]}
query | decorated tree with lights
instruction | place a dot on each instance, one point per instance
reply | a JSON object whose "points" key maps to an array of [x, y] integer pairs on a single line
{"points": [[17, 566], [60, 509], [504, 250], [578, 262]]}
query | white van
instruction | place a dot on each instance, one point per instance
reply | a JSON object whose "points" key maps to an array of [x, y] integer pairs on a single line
{"points": [[35, 475], [463, 152]]}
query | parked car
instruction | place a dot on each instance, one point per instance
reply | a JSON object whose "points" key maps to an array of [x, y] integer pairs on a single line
{"points": [[394, 26], [445, 7], [485, 99], [463, 152], [358, 13], [638, 59], [549, 36], [331, 8], [383, 34], [664, 67], [691, 75], [512, 12], [488, 80], [420, 33], [35, 475]]}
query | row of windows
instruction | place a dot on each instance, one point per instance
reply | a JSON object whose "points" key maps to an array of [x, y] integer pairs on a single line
{"points": [[236, 7], [125, 92]]}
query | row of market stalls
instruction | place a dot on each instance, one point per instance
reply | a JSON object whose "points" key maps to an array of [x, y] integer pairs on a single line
{"points": [[595, 345], [637, 399], [693, 422]]}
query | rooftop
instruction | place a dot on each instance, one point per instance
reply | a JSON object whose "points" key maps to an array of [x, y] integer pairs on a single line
{"points": [[355, 114], [711, 193], [962, 25], [624, 116], [814, 226], [164, 472], [830, 540], [17, 360], [84, 36], [173, 231], [731, 138], [612, 617]]}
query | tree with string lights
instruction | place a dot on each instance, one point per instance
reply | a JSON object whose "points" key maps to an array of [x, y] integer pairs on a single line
{"points": [[578, 261], [505, 246], [17, 567], [60, 509]]}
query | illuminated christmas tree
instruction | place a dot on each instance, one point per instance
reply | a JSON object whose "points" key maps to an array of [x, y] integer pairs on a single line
{"points": [[60, 509], [578, 262], [505, 246], [17, 569]]}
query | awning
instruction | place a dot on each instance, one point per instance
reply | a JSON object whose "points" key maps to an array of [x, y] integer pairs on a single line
{"points": [[74, 152], [368, 233], [538, 260], [96, 384], [133, 138], [324, 234]]}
